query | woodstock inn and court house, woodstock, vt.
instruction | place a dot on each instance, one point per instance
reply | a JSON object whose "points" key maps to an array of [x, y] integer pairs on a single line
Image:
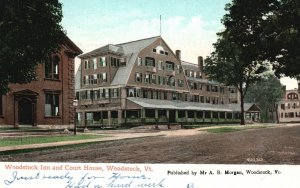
{"points": [[145, 82], [134, 83]]}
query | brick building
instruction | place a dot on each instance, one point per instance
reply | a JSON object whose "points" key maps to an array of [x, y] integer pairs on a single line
{"points": [[144, 81], [47, 100]]}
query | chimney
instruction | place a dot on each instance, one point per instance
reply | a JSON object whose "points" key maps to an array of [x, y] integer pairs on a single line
{"points": [[201, 66], [178, 54]]}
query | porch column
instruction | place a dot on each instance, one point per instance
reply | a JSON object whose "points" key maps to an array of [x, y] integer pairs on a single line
{"points": [[195, 116], [225, 116], [211, 116], [186, 116], [168, 117], [83, 119], [125, 116], [109, 117], [119, 117], [143, 114], [203, 116], [156, 119]]}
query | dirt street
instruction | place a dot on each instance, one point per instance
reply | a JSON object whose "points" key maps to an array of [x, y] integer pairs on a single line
{"points": [[279, 145]]}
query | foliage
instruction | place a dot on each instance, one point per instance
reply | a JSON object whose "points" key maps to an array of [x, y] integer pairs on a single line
{"points": [[236, 60], [265, 92], [29, 31], [280, 34]]}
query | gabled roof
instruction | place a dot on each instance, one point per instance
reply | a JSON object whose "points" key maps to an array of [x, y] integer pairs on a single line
{"points": [[104, 49], [71, 47], [131, 51], [248, 107]]}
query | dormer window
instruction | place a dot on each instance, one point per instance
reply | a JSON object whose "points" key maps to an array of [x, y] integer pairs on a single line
{"points": [[160, 50]]}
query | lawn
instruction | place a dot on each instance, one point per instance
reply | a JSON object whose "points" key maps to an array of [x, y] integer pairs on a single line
{"points": [[231, 129], [44, 139]]}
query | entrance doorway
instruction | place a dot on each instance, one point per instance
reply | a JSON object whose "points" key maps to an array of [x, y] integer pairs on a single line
{"points": [[25, 111]]}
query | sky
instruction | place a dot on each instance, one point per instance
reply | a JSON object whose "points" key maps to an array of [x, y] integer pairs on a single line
{"points": [[187, 25]]}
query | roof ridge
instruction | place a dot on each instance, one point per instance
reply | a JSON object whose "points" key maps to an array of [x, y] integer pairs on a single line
{"points": [[138, 40], [189, 62]]}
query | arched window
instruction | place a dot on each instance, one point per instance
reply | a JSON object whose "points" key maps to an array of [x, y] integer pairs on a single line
{"points": [[52, 67], [292, 96]]}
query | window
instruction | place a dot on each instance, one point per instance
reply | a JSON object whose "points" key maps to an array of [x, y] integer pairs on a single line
{"points": [[154, 50], [202, 99], [178, 69], [52, 68], [95, 63], [133, 92], [165, 95], [139, 61], [102, 62], [145, 94], [138, 77], [174, 96], [86, 64], [180, 83], [94, 79], [52, 104], [114, 93], [85, 80], [104, 77], [222, 90], [169, 65], [207, 99], [90, 63], [159, 66], [214, 88], [147, 78], [114, 62], [150, 61], [207, 87], [153, 78], [166, 53], [196, 98], [195, 74], [160, 80], [171, 81]]}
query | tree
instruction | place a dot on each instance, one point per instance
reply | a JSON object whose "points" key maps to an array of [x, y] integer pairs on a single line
{"points": [[236, 60], [266, 92], [227, 65], [30, 30], [280, 34], [273, 27]]}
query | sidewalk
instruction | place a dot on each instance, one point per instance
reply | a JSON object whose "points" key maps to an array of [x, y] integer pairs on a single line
{"points": [[108, 137]]}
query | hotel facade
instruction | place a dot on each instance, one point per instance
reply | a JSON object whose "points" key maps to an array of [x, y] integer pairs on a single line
{"points": [[145, 82]]}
